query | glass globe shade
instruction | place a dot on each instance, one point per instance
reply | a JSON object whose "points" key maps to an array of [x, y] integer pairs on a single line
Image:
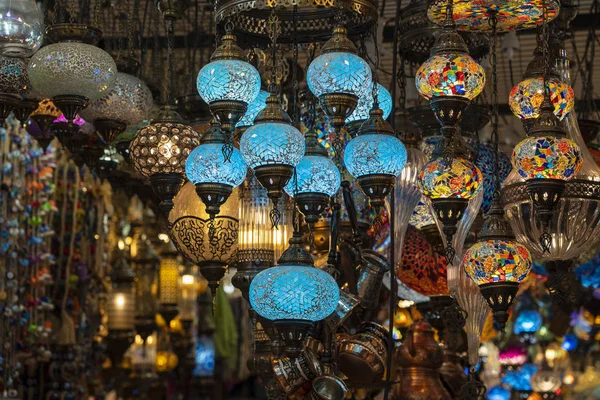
{"points": [[72, 68], [129, 101], [233, 80], [469, 298], [13, 76], [544, 381], [294, 293], [449, 74], [189, 227], [365, 104], [485, 162], [338, 72], [369, 154], [22, 30], [162, 148], [272, 143], [497, 260], [528, 321], [206, 164], [520, 379], [547, 157], [254, 108], [315, 174], [460, 180], [525, 99]]}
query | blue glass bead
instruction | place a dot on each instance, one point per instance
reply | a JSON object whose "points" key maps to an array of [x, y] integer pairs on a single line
{"points": [[206, 164], [315, 174], [228, 80], [365, 103], [294, 293], [498, 393], [375, 154], [338, 72], [272, 143], [528, 321]]}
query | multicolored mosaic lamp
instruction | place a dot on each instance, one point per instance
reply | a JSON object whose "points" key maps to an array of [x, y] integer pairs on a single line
{"points": [[228, 83], [207, 170], [449, 185], [317, 180], [338, 77], [294, 294], [526, 98], [375, 157], [272, 147], [497, 263], [546, 159]]}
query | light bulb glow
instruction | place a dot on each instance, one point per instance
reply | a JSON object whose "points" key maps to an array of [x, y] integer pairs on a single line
{"points": [[525, 99]]}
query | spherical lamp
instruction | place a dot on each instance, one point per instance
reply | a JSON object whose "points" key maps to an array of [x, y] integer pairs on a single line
{"points": [[294, 294], [272, 147], [72, 71], [159, 152], [214, 178], [14, 85], [22, 28], [127, 103], [254, 108], [338, 77], [228, 83], [317, 180], [375, 157], [497, 263], [364, 106]]}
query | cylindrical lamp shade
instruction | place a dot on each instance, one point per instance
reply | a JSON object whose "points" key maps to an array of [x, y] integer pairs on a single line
{"points": [[187, 300], [168, 279], [121, 308]]}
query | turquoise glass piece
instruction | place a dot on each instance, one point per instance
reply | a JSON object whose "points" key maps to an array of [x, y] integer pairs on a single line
{"points": [[338, 72], [315, 174], [365, 103], [206, 164], [294, 293], [272, 143], [228, 80], [259, 103], [528, 321], [369, 154]]}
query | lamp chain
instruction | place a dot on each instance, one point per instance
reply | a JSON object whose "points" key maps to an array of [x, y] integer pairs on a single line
{"points": [[401, 78], [96, 12], [295, 67], [227, 148], [169, 64], [376, 69], [274, 30], [494, 61], [72, 11], [545, 45], [130, 28]]}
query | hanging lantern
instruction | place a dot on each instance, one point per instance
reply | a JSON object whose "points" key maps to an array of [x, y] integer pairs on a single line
{"points": [[338, 77], [127, 103], [528, 322], [272, 147], [375, 157], [228, 83], [317, 180], [159, 152], [189, 229], [497, 263], [450, 186], [294, 294], [364, 106], [14, 85], [40, 120], [254, 108], [22, 28], [187, 300], [214, 178], [168, 283], [546, 160], [259, 245], [120, 309], [72, 71]]}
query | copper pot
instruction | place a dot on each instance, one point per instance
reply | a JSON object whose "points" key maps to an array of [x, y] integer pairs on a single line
{"points": [[362, 356], [292, 373], [327, 387]]}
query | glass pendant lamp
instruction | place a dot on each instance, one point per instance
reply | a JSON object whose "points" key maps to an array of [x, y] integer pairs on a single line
{"points": [[147, 264], [72, 71], [22, 30], [168, 282], [254, 108], [364, 106], [14, 88]]}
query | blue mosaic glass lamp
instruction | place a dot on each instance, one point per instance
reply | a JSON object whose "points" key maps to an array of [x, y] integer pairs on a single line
{"points": [[317, 179], [528, 322], [254, 108], [294, 294], [364, 106], [498, 393], [485, 163], [207, 170], [520, 379], [338, 77], [375, 157], [272, 147], [228, 83]]}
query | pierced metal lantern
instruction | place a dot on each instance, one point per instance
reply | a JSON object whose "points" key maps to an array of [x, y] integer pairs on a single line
{"points": [[497, 263], [159, 152], [317, 180]]}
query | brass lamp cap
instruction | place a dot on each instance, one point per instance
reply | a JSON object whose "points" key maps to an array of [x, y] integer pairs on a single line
{"points": [[339, 42], [296, 254], [273, 112], [168, 113], [376, 124], [228, 50]]}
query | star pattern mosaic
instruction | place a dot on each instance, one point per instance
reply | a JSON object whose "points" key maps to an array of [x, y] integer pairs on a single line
{"points": [[228, 80], [338, 72], [315, 174], [375, 154]]}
